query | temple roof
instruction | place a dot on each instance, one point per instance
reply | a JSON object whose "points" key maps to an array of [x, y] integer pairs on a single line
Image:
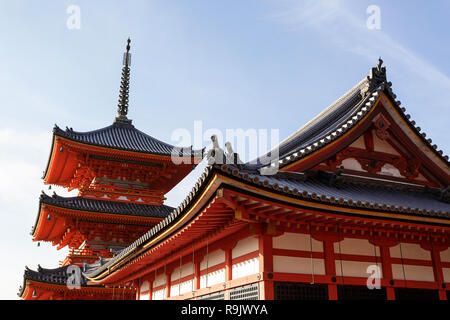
{"points": [[341, 116], [123, 136], [104, 206], [58, 276]]}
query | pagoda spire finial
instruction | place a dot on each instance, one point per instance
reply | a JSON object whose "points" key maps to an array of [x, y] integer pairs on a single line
{"points": [[122, 109], [377, 75]]}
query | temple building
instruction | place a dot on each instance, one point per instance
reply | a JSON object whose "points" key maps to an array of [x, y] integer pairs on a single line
{"points": [[355, 206], [122, 176]]}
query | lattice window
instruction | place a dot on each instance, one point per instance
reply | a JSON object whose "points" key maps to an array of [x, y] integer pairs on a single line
{"points": [[248, 292], [300, 291], [213, 296], [361, 293], [416, 294]]}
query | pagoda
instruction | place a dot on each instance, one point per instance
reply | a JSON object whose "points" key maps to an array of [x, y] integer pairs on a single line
{"points": [[356, 206], [122, 176]]}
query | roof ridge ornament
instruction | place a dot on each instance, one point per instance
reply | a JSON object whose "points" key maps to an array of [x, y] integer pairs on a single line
{"points": [[377, 75], [122, 109]]}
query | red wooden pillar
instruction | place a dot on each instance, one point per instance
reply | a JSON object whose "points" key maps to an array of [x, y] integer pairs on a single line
{"points": [[137, 283], [330, 268], [386, 264], [265, 258], [387, 270], [168, 276], [150, 288], [228, 265], [198, 259], [437, 270]]}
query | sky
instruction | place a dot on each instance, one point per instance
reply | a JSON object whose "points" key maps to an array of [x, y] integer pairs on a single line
{"points": [[250, 65]]}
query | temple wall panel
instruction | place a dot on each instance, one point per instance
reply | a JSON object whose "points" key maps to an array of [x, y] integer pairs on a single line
{"points": [[186, 270], [410, 251], [245, 246], [245, 268], [417, 273], [355, 268], [359, 143], [183, 287], [212, 278], [382, 146], [296, 241], [159, 280], [298, 265], [352, 164], [145, 286], [445, 255], [159, 294], [212, 258], [144, 296], [446, 272], [356, 246]]}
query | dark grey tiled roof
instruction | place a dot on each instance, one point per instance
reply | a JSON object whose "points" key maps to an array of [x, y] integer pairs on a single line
{"points": [[123, 136], [55, 276], [340, 117], [58, 276], [103, 206]]}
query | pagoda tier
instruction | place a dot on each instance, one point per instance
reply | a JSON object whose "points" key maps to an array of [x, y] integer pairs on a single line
{"points": [[52, 284], [117, 163], [95, 224]]}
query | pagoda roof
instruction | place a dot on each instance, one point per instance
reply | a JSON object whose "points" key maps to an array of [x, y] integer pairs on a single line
{"points": [[57, 276], [104, 206], [123, 136], [103, 210]]}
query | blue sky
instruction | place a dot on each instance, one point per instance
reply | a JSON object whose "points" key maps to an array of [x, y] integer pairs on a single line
{"points": [[231, 64]]}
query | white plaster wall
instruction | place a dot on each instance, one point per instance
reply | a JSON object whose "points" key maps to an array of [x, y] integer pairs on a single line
{"points": [[445, 255], [144, 296], [382, 146], [410, 251], [389, 170], [355, 268], [297, 265], [296, 241], [213, 258], [352, 164], [418, 273], [214, 278], [245, 268], [186, 270], [446, 272], [245, 246], [159, 294], [144, 286], [357, 246], [159, 280], [359, 143], [178, 289]]}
